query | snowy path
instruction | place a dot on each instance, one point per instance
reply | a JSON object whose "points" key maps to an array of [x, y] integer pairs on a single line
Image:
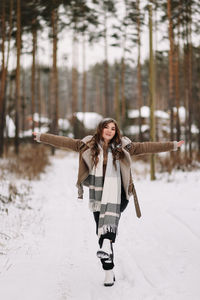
{"points": [[156, 257]]}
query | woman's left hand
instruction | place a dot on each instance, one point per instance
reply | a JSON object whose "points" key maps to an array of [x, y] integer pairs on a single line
{"points": [[34, 134], [180, 143]]}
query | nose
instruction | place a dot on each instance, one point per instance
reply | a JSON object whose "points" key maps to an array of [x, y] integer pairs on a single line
{"points": [[109, 130]]}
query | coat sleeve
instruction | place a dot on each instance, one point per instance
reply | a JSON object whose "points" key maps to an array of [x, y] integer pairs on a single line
{"points": [[150, 147], [59, 141]]}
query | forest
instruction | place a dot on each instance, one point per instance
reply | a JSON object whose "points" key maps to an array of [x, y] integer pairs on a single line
{"points": [[157, 67]]}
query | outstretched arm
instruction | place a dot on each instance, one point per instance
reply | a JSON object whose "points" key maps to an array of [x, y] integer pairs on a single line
{"points": [[153, 147], [57, 141], [180, 143]]}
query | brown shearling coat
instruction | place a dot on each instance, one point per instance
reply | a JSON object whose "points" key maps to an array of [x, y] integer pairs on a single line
{"points": [[85, 164]]}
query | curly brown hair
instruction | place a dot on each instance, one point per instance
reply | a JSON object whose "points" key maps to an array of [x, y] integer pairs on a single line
{"points": [[116, 141]]}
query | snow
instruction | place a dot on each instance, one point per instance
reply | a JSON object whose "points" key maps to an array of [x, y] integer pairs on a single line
{"points": [[10, 126], [194, 129], [89, 119], [38, 118], [134, 129], [134, 113], [161, 114], [63, 124], [182, 112], [48, 252], [145, 113]]}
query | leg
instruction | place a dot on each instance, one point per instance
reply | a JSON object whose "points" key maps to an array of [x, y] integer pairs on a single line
{"points": [[107, 263], [109, 235]]}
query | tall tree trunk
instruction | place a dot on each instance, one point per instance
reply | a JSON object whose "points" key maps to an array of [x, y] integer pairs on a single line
{"points": [[42, 100], [7, 64], [3, 79], [117, 98], [198, 122], [186, 98], [84, 81], [198, 102], [74, 91], [8, 111], [139, 80], [74, 82], [23, 100], [34, 43], [97, 93], [157, 100], [39, 95], [190, 80], [177, 98], [74, 76], [177, 83], [123, 71], [171, 75], [9, 33], [49, 100], [54, 78], [123, 101], [18, 95], [177, 93], [84, 78], [151, 92], [55, 71], [106, 96]]}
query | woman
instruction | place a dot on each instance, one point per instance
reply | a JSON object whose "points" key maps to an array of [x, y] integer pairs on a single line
{"points": [[105, 167]]}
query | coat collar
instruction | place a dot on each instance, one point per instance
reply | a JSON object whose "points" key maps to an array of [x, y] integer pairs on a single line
{"points": [[125, 141], [87, 139]]}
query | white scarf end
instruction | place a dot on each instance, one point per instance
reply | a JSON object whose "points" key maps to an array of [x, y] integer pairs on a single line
{"points": [[95, 206]]}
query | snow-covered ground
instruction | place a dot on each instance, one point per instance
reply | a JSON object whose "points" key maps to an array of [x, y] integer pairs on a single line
{"points": [[48, 251]]}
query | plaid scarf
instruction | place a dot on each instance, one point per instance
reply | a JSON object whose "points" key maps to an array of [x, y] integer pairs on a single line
{"points": [[105, 193]]}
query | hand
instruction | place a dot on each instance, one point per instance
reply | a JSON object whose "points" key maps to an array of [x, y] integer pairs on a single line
{"points": [[180, 143], [34, 135], [80, 200]]}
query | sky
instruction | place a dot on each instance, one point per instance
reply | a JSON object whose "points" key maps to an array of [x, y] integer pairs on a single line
{"points": [[94, 53]]}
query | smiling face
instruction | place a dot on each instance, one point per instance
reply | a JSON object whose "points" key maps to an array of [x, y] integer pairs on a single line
{"points": [[108, 132]]}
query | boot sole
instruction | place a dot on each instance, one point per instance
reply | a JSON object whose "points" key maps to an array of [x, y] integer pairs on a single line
{"points": [[102, 255], [110, 284]]}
